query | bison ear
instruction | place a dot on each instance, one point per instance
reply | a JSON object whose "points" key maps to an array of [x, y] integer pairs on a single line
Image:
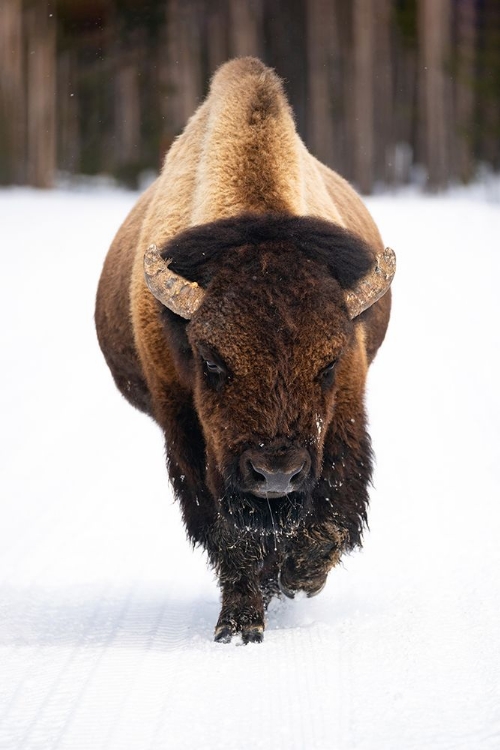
{"points": [[373, 286], [181, 296]]}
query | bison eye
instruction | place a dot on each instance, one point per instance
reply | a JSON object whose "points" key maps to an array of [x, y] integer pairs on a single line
{"points": [[213, 368], [326, 375], [215, 374]]}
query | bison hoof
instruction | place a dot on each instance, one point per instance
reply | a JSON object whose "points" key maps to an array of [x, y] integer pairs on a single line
{"points": [[310, 589], [249, 634], [254, 634], [284, 589], [223, 634], [317, 590]]}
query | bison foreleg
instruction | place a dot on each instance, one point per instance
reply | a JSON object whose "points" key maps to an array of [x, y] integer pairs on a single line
{"points": [[242, 612], [269, 578], [313, 555]]}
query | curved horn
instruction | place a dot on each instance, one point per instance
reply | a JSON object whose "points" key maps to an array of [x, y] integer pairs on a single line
{"points": [[181, 296], [373, 286]]}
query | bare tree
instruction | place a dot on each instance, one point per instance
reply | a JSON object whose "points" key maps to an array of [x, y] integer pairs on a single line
{"points": [[12, 98], [435, 88], [488, 82], [284, 34], [182, 64], [245, 17], [383, 92], [41, 95], [68, 114], [217, 33], [405, 101], [363, 94], [127, 111], [465, 95], [320, 37], [375, 86]]}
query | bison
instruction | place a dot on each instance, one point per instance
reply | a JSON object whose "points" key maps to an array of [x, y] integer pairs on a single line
{"points": [[239, 306]]}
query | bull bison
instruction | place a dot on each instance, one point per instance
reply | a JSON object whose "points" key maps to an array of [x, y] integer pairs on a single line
{"points": [[239, 306]]}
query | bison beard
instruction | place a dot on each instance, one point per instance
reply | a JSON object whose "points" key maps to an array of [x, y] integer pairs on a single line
{"points": [[276, 516], [240, 306], [289, 547]]}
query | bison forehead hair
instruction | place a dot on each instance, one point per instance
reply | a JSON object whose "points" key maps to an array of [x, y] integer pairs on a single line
{"points": [[198, 253], [262, 349]]}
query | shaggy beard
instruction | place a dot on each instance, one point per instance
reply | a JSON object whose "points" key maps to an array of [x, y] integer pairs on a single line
{"points": [[278, 516]]}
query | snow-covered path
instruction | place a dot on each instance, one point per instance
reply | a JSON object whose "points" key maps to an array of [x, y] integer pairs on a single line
{"points": [[106, 614]]}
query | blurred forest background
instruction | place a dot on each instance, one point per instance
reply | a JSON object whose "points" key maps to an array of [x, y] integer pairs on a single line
{"points": [[385, 91]]}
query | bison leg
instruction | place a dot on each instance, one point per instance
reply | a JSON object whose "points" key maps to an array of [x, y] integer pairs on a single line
{"points": [[242, 612], [312, 556], [269, 575]]}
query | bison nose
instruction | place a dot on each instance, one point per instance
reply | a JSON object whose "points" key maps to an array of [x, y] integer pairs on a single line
{"points": [[269, 475], [279, 482]]}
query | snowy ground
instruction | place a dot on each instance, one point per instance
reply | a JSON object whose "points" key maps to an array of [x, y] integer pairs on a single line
{"points": [[106, 614]]}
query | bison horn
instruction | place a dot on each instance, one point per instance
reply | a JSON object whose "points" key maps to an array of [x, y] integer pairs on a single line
{"points": [[181, 296], [184, 297], [373, 286]]}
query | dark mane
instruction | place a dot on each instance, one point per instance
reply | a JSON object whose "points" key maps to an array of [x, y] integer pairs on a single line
{"points": [[197, 252]]}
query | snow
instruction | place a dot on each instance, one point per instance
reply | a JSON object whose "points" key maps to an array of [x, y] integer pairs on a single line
{"points": [[107, 615]]}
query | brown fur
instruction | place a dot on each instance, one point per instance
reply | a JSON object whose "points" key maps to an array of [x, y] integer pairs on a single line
{"points": [[274, 317]]}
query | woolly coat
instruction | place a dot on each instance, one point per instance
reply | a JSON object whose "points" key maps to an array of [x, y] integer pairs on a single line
{"points": [[239, 153]]}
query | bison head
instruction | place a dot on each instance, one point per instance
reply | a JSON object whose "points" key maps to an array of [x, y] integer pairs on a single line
{"points": [[260, 314]]}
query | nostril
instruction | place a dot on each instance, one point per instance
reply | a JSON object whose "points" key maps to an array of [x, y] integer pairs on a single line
{"points": [[256, 475], [295, 473]]}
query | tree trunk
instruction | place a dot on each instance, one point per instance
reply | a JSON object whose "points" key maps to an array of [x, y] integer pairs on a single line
{"points": [[342, 88], [320, 33], [127, 114], [246, 27], [384, 157], [284, 26], [363, 94], [182, 70], [217, 34], [435, 88], [488, 83], [465, 99], [68, 130], [405, 111], [41, 109], [12, 97]]}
